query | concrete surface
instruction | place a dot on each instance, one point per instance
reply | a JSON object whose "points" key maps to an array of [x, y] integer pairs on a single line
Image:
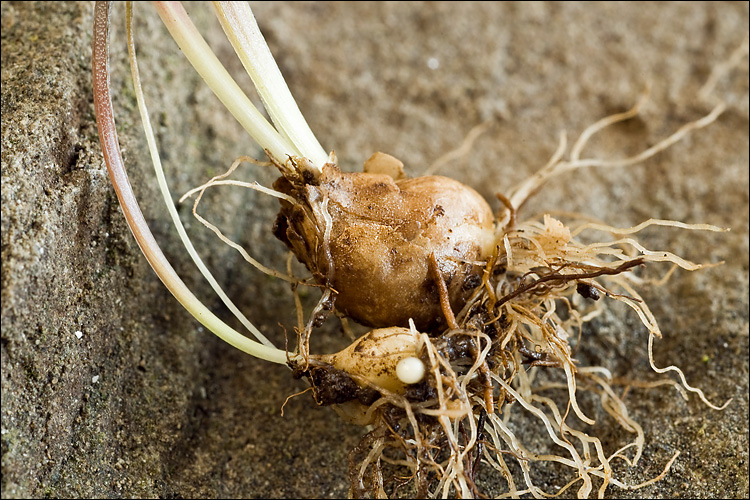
{"points": [[110, 389]]}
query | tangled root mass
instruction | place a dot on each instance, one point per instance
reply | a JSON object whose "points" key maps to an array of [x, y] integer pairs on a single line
{"points": [[509, 358], [498, 306]]}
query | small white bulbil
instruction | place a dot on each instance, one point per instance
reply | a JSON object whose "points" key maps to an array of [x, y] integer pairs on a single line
{"points": [[377, 356], [410, 370]]}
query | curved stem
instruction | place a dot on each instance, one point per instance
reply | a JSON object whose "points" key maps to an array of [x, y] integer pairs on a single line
{"points": [[161, 179], [137, 223]]}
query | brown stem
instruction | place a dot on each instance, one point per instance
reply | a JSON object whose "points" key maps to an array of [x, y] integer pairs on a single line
{"points": [[563, 278], [105, 123], [445, 302]]}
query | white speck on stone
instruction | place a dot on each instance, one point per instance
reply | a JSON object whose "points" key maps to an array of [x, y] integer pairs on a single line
{"points": [[433, 63], [3, 431], [95, 379], [79, 334]]}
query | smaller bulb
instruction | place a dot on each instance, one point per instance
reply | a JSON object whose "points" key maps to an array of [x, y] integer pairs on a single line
{"points": [[410, 370]]}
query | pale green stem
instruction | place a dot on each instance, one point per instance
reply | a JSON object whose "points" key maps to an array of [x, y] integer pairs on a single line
{"points": [[242, 30], [165, 189], [128, 202], [209, 67]]}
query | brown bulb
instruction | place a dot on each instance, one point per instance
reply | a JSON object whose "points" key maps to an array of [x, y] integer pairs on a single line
{"points": [[369, 236]]}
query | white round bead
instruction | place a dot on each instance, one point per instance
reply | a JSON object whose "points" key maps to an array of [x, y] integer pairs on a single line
{"points": [[410, 370]]}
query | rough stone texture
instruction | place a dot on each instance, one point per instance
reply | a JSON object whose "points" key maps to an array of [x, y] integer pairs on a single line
{"points": [[147, 404]]}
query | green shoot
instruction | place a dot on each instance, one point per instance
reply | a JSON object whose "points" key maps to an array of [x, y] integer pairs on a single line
{"points": [[219, 80], [242, 30], [156, 160]]}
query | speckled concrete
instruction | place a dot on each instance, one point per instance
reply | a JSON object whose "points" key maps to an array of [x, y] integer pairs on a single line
{"points": [[110, 389]]}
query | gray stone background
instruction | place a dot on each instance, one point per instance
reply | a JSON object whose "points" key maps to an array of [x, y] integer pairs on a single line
{"points": [[146, 403]]}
